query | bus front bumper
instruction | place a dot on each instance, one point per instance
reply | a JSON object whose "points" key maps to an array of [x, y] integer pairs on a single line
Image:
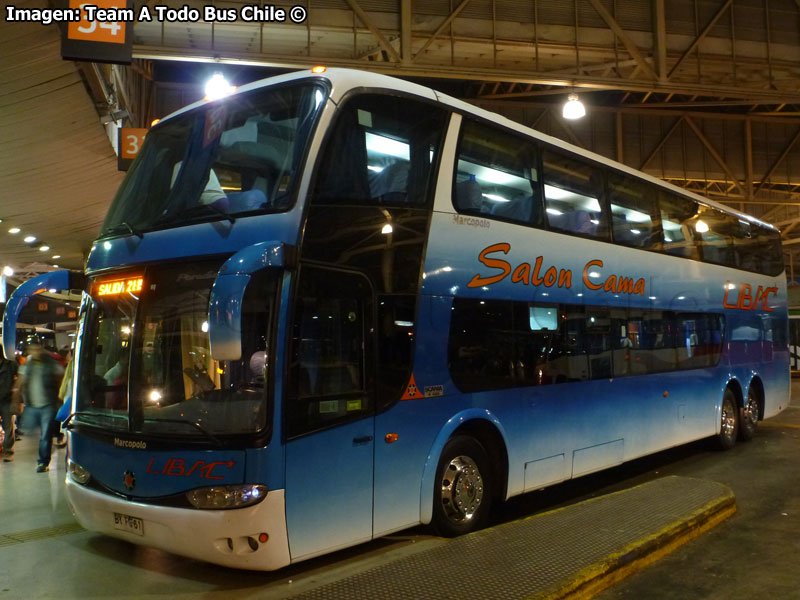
{"points": [[224, 537]]}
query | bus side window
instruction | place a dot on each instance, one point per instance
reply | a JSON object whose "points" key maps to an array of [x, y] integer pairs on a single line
{"points": [[714, 234], [678, 225], [573, 192], [481, 346], [496, 175], [634, 212], [381, 150]]}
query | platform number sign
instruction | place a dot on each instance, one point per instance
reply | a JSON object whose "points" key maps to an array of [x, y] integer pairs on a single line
{"points": [[129, 143], [99, 39]]}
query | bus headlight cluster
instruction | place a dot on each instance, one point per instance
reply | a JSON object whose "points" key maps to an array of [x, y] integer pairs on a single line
{"points": [[227, 496], [77, 473]]}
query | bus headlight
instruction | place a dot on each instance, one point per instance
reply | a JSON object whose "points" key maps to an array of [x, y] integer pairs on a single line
{"points": [[226, 496], [77, 473]]}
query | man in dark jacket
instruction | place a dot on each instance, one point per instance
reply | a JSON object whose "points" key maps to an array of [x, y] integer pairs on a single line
{"points": [[8, 372]]}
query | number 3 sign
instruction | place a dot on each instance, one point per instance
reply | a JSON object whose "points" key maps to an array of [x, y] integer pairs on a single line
{"points": [[130, 142]]}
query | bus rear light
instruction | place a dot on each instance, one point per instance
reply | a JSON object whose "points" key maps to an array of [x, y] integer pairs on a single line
{"points": [[226, 496], [77, 473]]}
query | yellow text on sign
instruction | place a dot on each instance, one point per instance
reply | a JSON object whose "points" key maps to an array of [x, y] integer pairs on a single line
{"points": [[112, 288]]}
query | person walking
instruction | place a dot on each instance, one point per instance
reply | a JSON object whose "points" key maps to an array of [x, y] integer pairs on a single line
{"points": [[8, 373], [39, 380]]}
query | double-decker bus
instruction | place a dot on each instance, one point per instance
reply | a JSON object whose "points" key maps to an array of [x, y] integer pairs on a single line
{"points": [[336, 305]]}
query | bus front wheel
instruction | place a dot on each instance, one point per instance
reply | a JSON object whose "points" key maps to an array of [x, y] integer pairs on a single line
{"points": [[463, 493], [729, 428]]}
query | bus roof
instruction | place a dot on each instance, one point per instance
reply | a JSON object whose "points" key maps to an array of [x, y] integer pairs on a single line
{"points": [[345, 80]]}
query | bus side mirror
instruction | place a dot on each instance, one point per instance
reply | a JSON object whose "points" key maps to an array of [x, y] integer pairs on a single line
{"points": [[59, 280], [227, 296]]}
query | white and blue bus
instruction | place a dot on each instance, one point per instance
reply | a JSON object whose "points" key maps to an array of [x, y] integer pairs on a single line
{"points": [[335, 305]]}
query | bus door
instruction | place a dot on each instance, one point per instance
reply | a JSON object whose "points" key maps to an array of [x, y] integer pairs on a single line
{"points": [[329, 413]]}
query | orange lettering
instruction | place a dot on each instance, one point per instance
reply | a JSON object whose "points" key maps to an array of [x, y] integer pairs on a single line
{"points": [[725, 299], [492, 263], [565, 278], [744, 294], [522, 273], [586, 282], [550, 277], [536, 280], [767, 292]]}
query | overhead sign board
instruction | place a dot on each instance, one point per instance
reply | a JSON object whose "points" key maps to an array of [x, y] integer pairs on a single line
{"points": [[103, 34], [129, 144]]}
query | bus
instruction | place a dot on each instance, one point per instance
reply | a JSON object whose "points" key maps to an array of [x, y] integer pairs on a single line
{"points": [[27, 335], [335, 305]]}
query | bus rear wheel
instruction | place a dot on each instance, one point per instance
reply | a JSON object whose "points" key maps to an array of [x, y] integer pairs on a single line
{"points": [[729, 427], [748, 416], [463, 493]]}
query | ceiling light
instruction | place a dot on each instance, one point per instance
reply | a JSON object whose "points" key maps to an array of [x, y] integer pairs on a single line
{"points": [[30, 239], [319, 69], [573, 109], [44, 248], [218, 87], [8, 271], [701, 227], [387, 229], [14, 230], [55, 256]]}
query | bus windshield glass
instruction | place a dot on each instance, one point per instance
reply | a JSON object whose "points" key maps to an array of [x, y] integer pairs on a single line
{"points": [[145, 363], [233, 156]]}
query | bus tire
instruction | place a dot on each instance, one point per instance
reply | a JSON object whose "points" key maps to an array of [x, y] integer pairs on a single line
{"points": [[748, 416], [729, 427], [462, 495]]}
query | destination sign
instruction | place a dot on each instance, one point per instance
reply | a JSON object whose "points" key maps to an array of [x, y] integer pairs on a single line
{"points": [[131, 285]]}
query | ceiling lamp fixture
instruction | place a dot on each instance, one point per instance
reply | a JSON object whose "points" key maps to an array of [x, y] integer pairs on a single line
{"points": [[14, 230], [30, 239], [218, 87], [8, 271], [44, 248], [573, 109]]}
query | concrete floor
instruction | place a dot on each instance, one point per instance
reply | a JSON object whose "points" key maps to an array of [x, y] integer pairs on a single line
{"points": [[43, 554]]}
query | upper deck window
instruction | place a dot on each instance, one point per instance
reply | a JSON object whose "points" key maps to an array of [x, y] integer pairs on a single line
{"points": [[634, 211], [382, 150], [497, 175], [233, 156], [573, 192]]}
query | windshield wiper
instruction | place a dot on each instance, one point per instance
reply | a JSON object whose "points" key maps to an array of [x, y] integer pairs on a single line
{"points": [[124, 226], [198, 210], [194, 424]]}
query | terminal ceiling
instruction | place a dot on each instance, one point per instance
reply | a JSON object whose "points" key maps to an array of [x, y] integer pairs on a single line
{"points": [[702, 93]]}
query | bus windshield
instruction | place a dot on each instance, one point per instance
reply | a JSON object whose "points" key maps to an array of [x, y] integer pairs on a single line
{"points": [[145, 363], [233, 156]]}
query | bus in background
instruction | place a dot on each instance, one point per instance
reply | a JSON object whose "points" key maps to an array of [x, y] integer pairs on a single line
{"points": [[27, 335], [336, 305], [794, 341]]}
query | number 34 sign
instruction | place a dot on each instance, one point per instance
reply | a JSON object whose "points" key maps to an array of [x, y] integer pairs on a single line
{"points": [[96, 40]]}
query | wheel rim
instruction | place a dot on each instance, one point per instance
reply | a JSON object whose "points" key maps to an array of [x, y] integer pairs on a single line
{"points": [[728, 419], [751, 411], [462, 489]]}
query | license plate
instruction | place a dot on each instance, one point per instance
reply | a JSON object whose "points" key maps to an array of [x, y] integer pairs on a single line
{"points": [[127, 523]]}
